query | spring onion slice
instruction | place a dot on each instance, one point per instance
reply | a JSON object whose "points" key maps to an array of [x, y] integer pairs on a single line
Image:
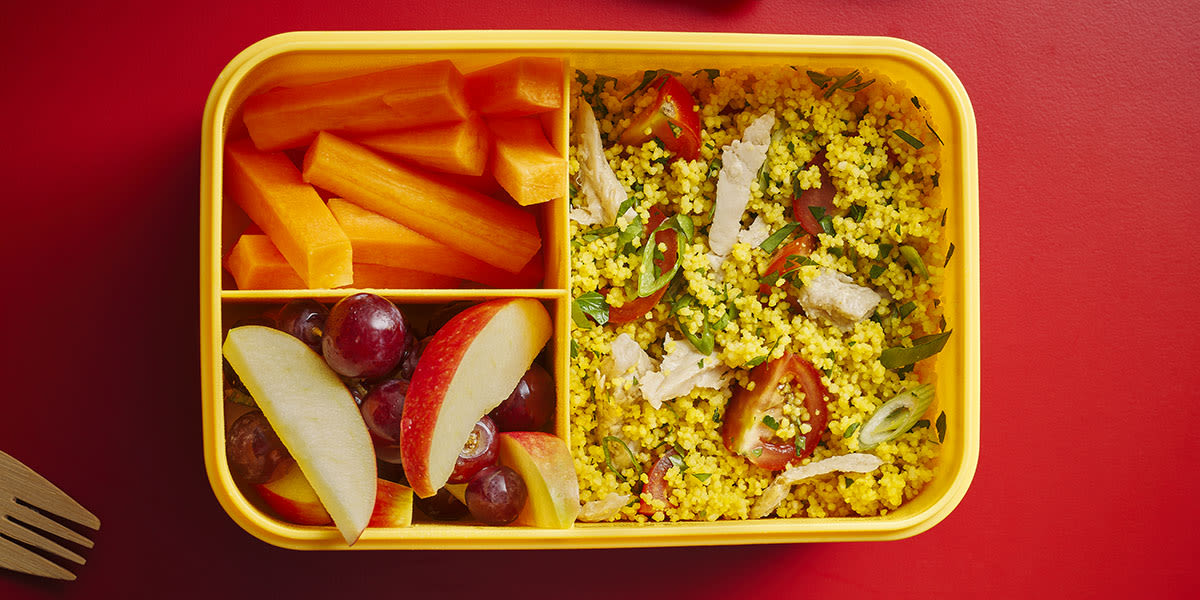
{"points": [[895, 417], [913, 257], [608, 456]]}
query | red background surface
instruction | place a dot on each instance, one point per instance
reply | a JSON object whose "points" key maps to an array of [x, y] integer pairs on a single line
{"points": [[1085, 486]]}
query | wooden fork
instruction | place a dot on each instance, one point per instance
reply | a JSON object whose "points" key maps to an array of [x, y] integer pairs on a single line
{"points": [[24, 497]]}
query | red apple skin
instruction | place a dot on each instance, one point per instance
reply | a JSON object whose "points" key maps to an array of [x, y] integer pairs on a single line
{"points": [[431, 380], [292, 498], [393, 505]]}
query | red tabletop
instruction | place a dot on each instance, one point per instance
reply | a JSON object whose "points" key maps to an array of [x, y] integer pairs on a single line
{"points": [[1089, 212]]}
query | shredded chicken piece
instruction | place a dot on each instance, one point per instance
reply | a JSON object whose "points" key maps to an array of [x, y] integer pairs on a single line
{"points": [[756, 233], [857, 462], [626, 363], [604, 508], [600, 192], [683, 369], [740, 162], [834, 296]]}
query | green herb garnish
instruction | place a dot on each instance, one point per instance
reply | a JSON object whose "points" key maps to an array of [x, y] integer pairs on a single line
{"points": [[922, 348], [906, 309], [630, 232], [648, 77], [702, 477], [840, 82], [857, 212], [574, 349], [849, 482], [777, 238], [648, 282], [604, 443], [949, 253], [818, 79], [941, 427], [913, 257], [770, 422], [591, 304], [876, 271], [850, 431], [916, 102], [906, 136], [711, 73]]}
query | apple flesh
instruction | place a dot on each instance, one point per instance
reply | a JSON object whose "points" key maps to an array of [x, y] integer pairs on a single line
{"points": [[290, 495], [545, 462], [314, 415], [468, 368]]}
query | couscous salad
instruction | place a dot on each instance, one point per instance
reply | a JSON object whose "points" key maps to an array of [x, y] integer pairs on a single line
{"points": [[756, 257]]}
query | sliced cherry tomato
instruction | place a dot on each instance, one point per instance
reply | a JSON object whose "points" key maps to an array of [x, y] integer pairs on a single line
{"points": [[786, 259], [635, 308], [673, 118], [744, 430], [804, 200], [656, 482]]}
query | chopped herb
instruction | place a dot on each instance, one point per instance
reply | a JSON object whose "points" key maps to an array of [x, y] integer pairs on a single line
{"points": [[711, 73], [791, 146], [677, 462], [777, 238], [630, 232], [858, 88], [942, 324], [944, 211], [700, 364], [604, 444], [897, 229], [916, 102], [941, 427], [818, 79], [840, 82], [857, 212], [906, 136], [637, 186], [757, 360], [801, 443], [702, 477], [675, 129], [591, 304], [922, 348], [648, 77], [949, 253], [849, 482], [573, 191], [913, 257], [876, 271], [935, 178], [884, 250], [935, 134], [574, 349], [757, 452], [581, 77], [597, 234], [770, 422], [714, 167], [836, 252], [716, 415], [850, 431], [906, 309], [918, 425]]}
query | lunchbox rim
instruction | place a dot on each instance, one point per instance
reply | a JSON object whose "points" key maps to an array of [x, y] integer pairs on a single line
{"points": [[567, 41]]}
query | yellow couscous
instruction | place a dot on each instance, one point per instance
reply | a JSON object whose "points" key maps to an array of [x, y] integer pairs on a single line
{"points": [[871, 141]]}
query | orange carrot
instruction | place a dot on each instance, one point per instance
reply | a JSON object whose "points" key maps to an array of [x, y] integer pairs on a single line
{"points": [[519, 87], [256, 264], [459, 148], [525, 163], [269, 189], [411, 96], [494, 232], [380, 240]]}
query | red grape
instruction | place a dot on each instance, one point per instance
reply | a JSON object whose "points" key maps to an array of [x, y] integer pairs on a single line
{"points": [[305, 320], [530, 405], [253, 449], [365, 336], [481, 450], [496, 495], [382, 409], [412, 356]]}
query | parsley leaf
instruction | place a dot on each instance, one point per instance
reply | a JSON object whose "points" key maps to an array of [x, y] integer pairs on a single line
{"points": [[591, 304], [777, 238], [906, 136]]}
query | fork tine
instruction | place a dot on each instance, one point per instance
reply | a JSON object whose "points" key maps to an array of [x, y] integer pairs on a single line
{"points": [[28, 516], [38, 491], [18, 558], [37, 540]]}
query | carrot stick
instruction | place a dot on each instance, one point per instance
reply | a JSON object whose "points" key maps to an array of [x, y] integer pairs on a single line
{"points": [[380, 240], [256, 264], [499, 234], [459, 148], [411, 96], [269, 189], [525, 163], [519, 87]]}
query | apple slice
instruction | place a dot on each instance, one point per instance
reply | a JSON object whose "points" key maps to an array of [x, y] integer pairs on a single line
{"points": [[290, 495], [393, 505], [544, 462], [468, 368], [315, 417]]}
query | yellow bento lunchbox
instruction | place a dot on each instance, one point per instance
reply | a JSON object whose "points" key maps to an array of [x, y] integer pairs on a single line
{"points": [[306, 57]]}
